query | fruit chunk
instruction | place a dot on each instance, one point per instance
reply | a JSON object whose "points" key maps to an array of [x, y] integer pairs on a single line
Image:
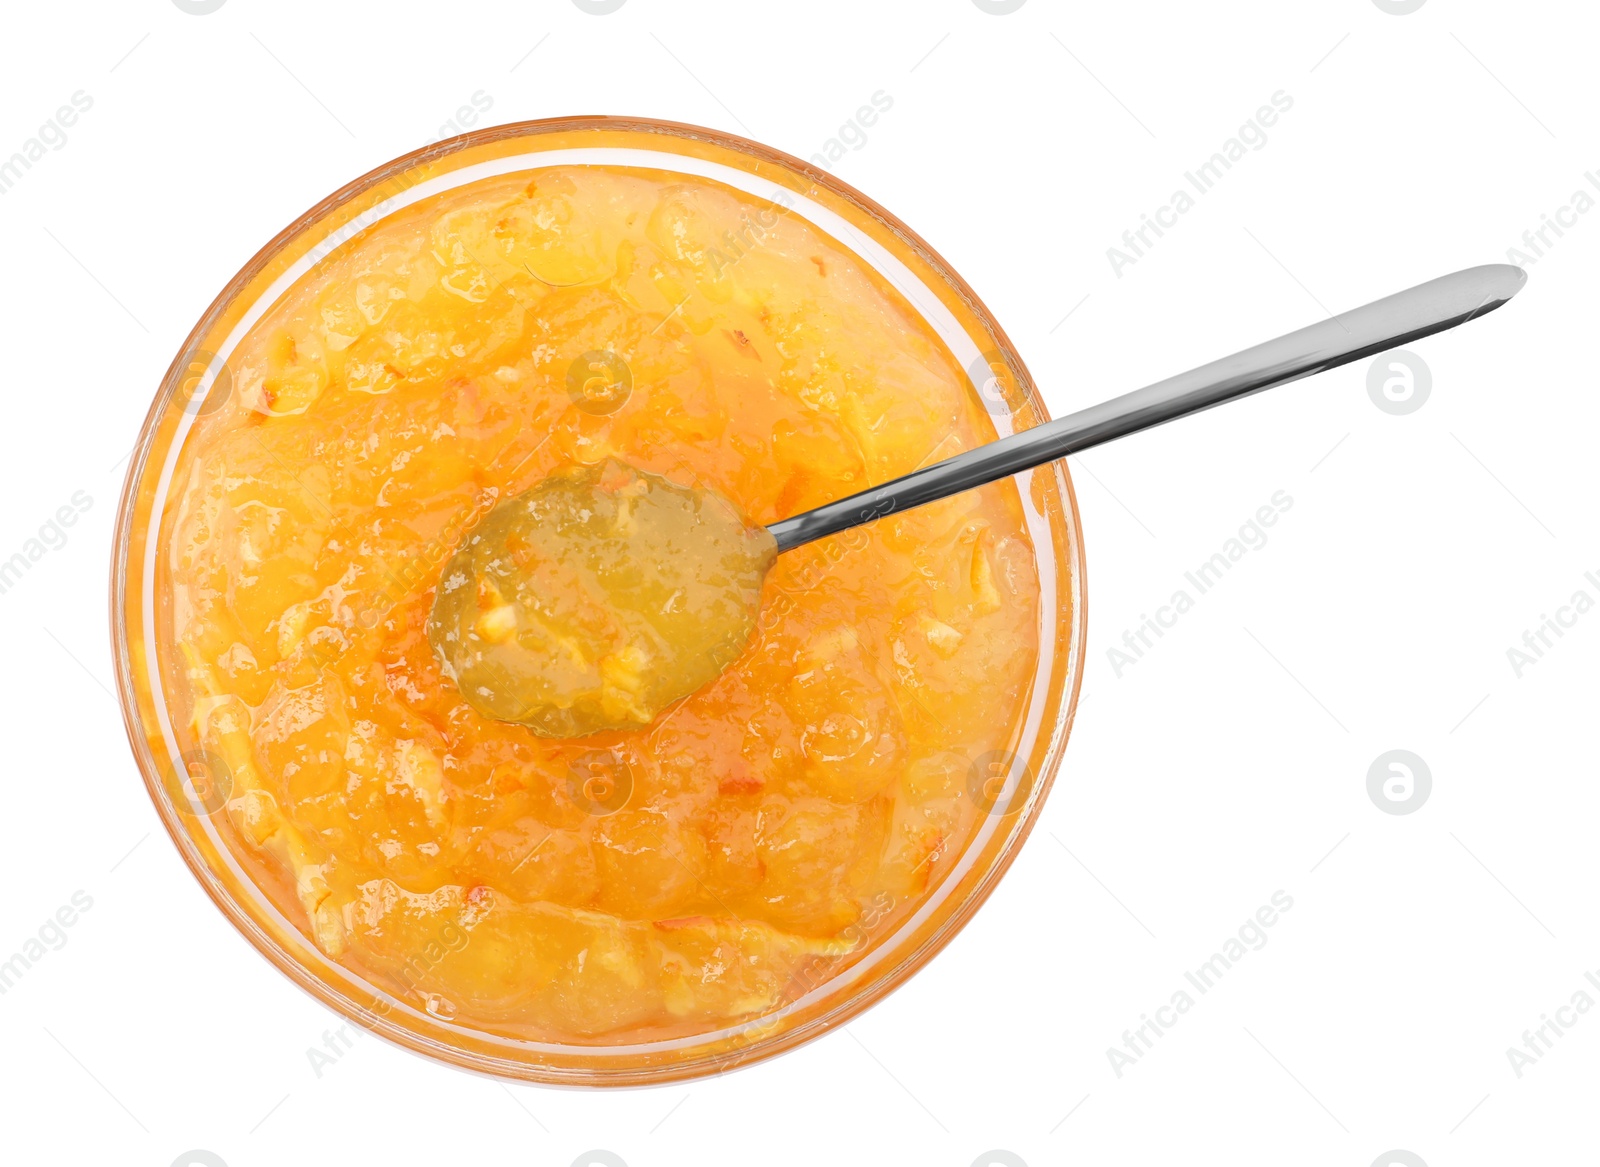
{"points": [[459, 949]]}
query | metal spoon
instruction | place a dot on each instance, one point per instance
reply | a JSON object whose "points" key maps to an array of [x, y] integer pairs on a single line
{"points": [[1373, 328]]}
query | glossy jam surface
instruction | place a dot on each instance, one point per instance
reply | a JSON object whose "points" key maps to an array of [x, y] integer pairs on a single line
{"points": [[596, 599], [660, 879]]}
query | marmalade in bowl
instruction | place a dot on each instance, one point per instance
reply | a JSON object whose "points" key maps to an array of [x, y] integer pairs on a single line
{"points": [[685, 868]]}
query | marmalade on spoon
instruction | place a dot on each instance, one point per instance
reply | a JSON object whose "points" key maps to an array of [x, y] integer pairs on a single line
{"points": [[596, 599]]}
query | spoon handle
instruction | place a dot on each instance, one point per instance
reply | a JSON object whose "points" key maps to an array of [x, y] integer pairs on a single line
{"points": [[1373, 328]]}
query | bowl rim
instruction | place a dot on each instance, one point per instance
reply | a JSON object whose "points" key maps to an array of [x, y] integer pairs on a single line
{"points": [[861, 996]]}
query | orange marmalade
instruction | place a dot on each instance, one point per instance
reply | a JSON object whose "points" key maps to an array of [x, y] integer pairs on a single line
{"points": [[657, 880], [597, 599]]}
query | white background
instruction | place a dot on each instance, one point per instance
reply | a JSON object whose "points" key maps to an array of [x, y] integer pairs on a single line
{"points": [[1230, 762]]}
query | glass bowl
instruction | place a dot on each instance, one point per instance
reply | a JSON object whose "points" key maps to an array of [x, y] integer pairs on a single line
{"points": [[178, 778]]}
